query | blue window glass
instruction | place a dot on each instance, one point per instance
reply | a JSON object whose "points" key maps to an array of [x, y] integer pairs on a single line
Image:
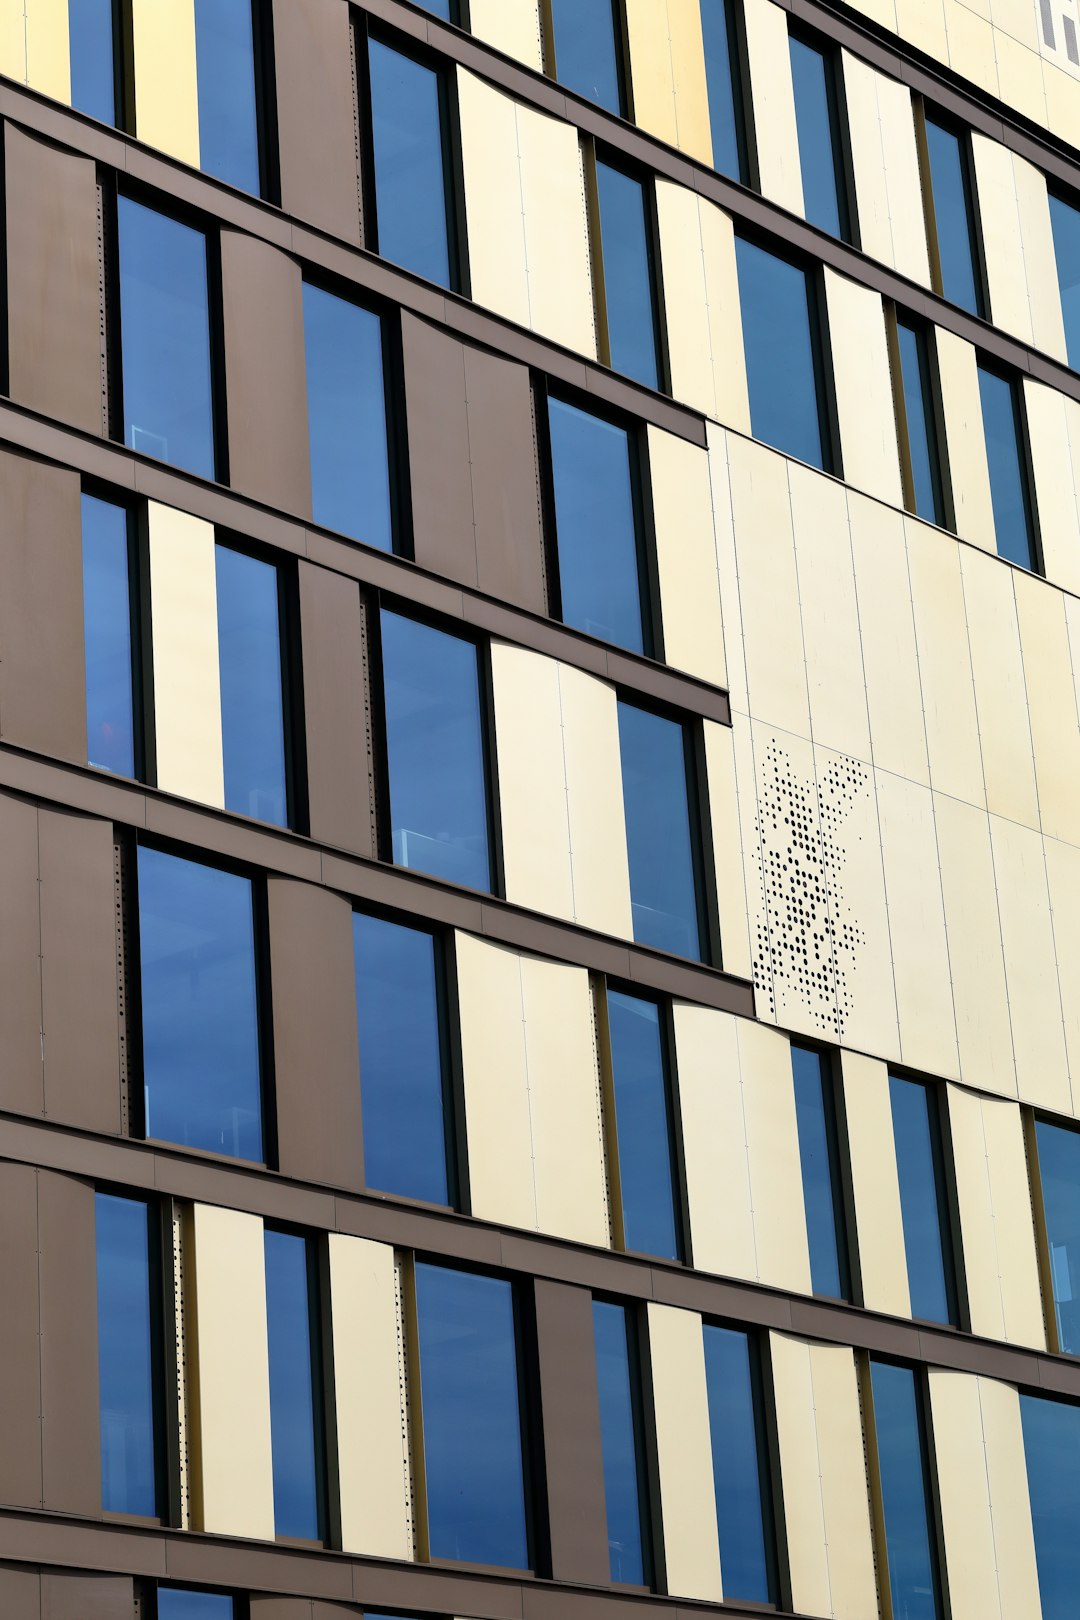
{"points": [[435, 752], [902, 1462], [586, 53], [743, 1516], [1065, 219], [819, 1158], [954, 216], [621, 1443], [128, 1355], [411, 194], [1052, 1450], [924, 451], [1059, 1176], [1003, 430], [293, 1413], [165, 338], [642, 1126], [401, 1059], [252, 707], [93, 58], [200, 1022], [346, 394], [917, 1135], [440, 8], [181, 1603], [629, 292], [659, 841], [471, 1408], [817, 123], [726, 116], [781, 358], [596, 527], [110, 707], [228, 108]]}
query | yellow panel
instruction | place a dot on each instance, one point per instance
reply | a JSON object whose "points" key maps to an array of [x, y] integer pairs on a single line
{"points": [[909, 250], [686, 556], [166, 82], [1030, 968], [374, 1485], [717, 1164], [498, 267], [971, 45], [1063, 876], [968, 471], [922, 22], [651, 73], [594, 800], [556, 231], [701, 305], [532, 781], [869, 167], [952, 732], [727, 566], [1005, 274], [226, 1278], [512, 26], [187, 683], [780, 1241], [864, 400], [1055, 732], [688, 74], [800, 1475], [1040, 261], [890, 658], [13, 40], [494, 1070], [1053, 423], [1062, 107], [875, 1187], [1020, 77], [1010, 1502], [48, 48], [727, 848], [724, 317], [773, 101], [1000, 692], [684, 1454]]}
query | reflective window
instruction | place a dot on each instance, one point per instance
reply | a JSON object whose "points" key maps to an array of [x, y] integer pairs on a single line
{"points": [[1052, 1450], [817, 120], [642, 1126], [200, 1021], [902, 1463], [725, 94], [1065, 219], [782, 366], [923, 1205], [228, 107], [435, 752], [346, 395], [596, 525], [107, 628], [619, 1385], [659, 840], [252, 704], [953, 202], [743, 1512], [917, 425], [290, 1319], [819, 1157], [586, 50], [129, 1354], [181, 1603], [401, 1059], [445, 9], [1003, 428], [93, 55], [629, 282], [471, 1411], [165, 338], [1059, 1177], [408, 148]]}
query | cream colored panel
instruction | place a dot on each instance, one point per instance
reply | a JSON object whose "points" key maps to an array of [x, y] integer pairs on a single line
{"points": [[1000, 692], [1053, 429], [1040, 260], [686, 556], [1000, 221], [971, 45], [532, 780], [498, 265], [727, 849], [962, 410], [701, 305], [375, 1489], [556, 231], [187, 681], [1055, 732], [166, 81], [688, 75], [888, 190], [889, 654], [727, 566], [774, 104], [1010, 1503], [948, 690], [783, 1256], [716, 1159], [495, 1076], [864, 399], [512, 26], [48, 48], [594, 801], [725, 318], [875, 1186], [684, 1454], [13, 40], [234, 1476], [922, 22], [1063, 875], [651, 70]]}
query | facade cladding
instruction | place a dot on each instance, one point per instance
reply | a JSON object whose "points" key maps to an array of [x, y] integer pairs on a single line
{"points": [[539, 810]]}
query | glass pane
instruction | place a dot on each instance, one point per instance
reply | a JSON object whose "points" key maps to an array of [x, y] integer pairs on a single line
{"points": [[1059, 1170], [641, 1118], [177, 1603], [252, 717], [628, 286], [1066, 222], [110, 724], [350, 469], [595, 526], [724, 102], [817, 1156], [663, 891], [781, 373], [1001, 427], [1052, 1449], [810, 76], [443, 9], [165, 337], [228, 112], [918, 1154], [745, 1552], [292, 1387], [619, 1443], [921, 433], [902, 1460], [435, 752], [200, 1025], [586, 57], [93, 58], [952, 215], [472, 1417], [410, 177], [126, 1355], [401, 1074]]}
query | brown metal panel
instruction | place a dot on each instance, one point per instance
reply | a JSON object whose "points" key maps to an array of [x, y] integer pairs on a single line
{"points": [[78, 1595], [20, 1454], [570, 1406], [505, 481], [54, 281], [318, 131], [337, 719], [42, 665], [279, 1608], [439, 451], [21, 1073], [70, 1432], [316, 1054], [265, 383], [20, 1592]]}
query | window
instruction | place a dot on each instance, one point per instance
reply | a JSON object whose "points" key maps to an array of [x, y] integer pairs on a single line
{"points": [[744, 1514], [722, 72], [436, 755], [910, 1554], [819, 125], [954, 250], [618, 1379], [225, 48], [399, 1007], [627, 279], [446, 9], [1052, 1450], [474, 1468], [1065, 219], [819, 1157], [584, 50], [918, 434], [923, 1201], [295, 1417], [182, 1603], [165, 338], [1058, 1167], [347, 428], [1006, 454], [643, 1126], [414, 199], [660, 837], [784, 370], [129, 1354], [108, 636], [597, 525], [94, 59], [252, 686], [200, 1006]]}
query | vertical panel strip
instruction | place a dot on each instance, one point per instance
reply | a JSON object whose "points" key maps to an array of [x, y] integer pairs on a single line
{"points": [[875, 1185], [187, 685], [166, 81], [684, 1454], [48, 49]]}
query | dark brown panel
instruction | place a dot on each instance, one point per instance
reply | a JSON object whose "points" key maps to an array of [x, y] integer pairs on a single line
{"points": [[570, 1405], [22, 1088], [316, 1059], [505, 479], [42, 666], [76, 1595], [280, 1608], [316, 114], [20, 1377], [337, 721], [70, 1435], [265, 384], [54, 281], [20, 1593], [439, 451]]}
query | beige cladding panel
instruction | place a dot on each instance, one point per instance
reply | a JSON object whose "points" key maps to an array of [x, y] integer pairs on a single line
{"points": [[716, 1160], [969, 474], [13, 40], [948, 691], [875, 1187], [667, 73], [773, 98], [166, 80], [1000, 691], [731, 906], [532, 784], [864, 402], [724, 318], [888, 190], [1004, 252], [495, 1082], [48, 48], [684, 1454], [1063, 877], [890, 656], [687, 48], [727, 566], [1053, 423], [556, 231], [594, 802], [686, 556], [187, 684], [511, 26], [780, 1240], [1055, 729], [498, 266], [701, 304], [1040, 260]]}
